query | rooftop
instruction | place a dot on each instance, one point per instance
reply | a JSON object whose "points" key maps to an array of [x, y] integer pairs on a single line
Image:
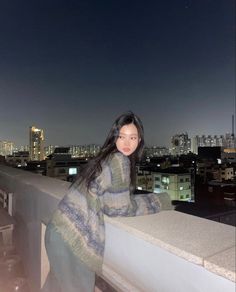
{"points": [[168, 251]]}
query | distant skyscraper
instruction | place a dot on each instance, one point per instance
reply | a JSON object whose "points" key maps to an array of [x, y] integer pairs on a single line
{"points": [[6, 148], [227, 141], [181, 144], [36, 143]]}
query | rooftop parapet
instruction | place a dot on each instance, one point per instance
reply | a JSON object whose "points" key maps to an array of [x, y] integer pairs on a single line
{"points": [[168, 251]]}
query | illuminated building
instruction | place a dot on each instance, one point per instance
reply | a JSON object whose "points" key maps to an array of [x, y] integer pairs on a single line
{"points": [[227, 141], [49, 149], [85, 151], [155, 151], [6, 148], [175, 181], [36, 143], [181, 144]]}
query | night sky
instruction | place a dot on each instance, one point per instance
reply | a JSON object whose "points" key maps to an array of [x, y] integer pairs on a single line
{"points": [[71, 67]]}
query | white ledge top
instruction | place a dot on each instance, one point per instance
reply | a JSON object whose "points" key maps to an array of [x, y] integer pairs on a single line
{"points": [[200, 241], [223, 264]]}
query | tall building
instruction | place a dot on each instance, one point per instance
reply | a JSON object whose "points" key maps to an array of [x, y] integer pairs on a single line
{"points": [[230, 140], [181, 144], [36, 143], [6, 148], [227, 141]]}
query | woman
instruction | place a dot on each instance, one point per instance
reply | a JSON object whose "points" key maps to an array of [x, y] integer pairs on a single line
{"points": [[75, 236]]}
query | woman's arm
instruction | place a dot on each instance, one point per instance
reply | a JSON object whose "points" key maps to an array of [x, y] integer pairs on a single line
{"points": [[116, 199], [151, 203]]}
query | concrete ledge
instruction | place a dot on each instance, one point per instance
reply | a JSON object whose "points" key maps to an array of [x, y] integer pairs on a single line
{"points": [[141, 253], [192, 238], [223, 264]]}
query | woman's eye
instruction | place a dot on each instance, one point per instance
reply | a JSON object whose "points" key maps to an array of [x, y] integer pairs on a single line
{"points": [[133, 138]]}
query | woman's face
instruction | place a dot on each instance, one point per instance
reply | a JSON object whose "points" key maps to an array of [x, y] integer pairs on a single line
{"points": [[128, 139]]}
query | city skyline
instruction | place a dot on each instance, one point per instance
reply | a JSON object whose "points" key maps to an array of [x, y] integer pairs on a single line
{"points": [[72, 67], [226, 137]]}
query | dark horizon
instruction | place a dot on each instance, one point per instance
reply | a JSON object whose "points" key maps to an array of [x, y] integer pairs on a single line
{"points": [[71, 67]]}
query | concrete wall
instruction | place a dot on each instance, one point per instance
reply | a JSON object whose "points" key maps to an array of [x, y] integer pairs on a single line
{"points": [[169, 251]]}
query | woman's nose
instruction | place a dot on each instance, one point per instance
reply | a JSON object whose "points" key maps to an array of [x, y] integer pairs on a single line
{"points": [[126, 141]]}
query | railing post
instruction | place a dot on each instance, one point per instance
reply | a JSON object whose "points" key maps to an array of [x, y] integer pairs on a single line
{"points": [[10, 204]]}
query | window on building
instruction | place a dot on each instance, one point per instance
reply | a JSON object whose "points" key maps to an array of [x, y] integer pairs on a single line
{"points": [[165, 180]]}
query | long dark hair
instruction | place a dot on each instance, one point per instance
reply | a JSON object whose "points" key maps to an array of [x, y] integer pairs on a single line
{"points": [[93, 168]]}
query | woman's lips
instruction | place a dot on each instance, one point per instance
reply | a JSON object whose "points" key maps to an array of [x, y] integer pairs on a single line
{"points": [[126, 149]]}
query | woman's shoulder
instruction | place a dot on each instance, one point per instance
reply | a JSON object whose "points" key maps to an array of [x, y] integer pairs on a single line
{"points": [[115, 170], [118, 157], [118, 161]]}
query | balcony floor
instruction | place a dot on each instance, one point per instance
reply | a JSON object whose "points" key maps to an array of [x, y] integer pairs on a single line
{"points": [[12, 274]]}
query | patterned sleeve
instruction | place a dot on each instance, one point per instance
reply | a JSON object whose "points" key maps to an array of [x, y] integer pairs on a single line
{"points": [[115, 196], [114, 184], [151, 203]]}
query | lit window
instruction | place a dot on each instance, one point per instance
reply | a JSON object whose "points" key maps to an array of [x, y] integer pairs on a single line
{"points": [[165, 180]]}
